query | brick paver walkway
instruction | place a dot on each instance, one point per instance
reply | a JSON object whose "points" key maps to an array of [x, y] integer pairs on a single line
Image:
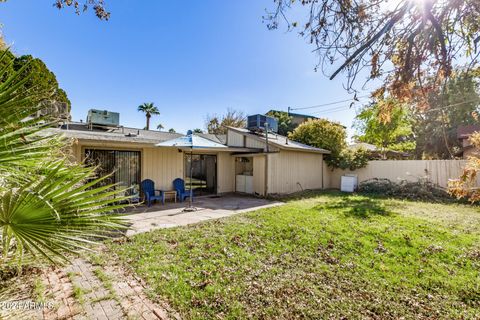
{"points": [[86, 291]]}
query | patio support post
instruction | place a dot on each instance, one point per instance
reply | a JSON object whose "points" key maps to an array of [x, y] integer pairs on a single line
{"points": [[191, 175], [265, 185], [266, 159]]}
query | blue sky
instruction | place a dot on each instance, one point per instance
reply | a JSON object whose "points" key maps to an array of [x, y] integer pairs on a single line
{"points": [[189, 58]]}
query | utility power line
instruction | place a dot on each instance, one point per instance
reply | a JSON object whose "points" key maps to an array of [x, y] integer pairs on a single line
{"points": [[329, 103], [452, 105], [332, 110], [342, 108]]}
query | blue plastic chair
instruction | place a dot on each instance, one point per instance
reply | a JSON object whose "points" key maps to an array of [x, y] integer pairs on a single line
{"points": [[148, 188], [179, 186]]}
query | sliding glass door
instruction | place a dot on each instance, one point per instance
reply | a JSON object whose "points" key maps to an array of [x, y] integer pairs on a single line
{"points": [[125, 166], [204, 173]]}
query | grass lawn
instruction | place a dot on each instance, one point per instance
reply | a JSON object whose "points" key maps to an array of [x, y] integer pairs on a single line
{"points": [[326, 256]]}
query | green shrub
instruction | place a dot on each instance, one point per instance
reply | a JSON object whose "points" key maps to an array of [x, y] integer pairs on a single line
{"points": [[322, 133], [350, 159], [422, 189]]}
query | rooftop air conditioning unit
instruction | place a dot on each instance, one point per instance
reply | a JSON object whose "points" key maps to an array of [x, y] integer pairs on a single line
{"points": [[257, 122], [103, 117]]}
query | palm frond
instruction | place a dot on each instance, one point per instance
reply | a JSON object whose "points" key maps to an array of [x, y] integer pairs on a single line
{"points": [[48, 205], [46, 217]]}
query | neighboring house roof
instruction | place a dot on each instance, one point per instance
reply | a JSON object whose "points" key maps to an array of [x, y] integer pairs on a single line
{"points": [[279, 141], [299, 115], [464, 132], [373, 149], [364, 145]]}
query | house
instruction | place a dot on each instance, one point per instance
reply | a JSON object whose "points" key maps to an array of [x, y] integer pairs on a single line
{"points": [[248, 162], [296, 118], [463, 135], [377, 154]]}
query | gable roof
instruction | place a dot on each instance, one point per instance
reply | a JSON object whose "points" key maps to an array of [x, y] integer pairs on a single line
{"points": [[192, 141], [279, 141], [218, 138]]}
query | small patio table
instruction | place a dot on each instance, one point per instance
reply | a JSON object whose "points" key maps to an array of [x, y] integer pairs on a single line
{"points": [[170, 194]]}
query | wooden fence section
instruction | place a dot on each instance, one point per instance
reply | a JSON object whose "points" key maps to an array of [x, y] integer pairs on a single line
{"points": [[437, 171]]}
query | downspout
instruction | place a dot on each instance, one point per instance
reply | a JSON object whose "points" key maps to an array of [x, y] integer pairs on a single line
{"points": [[322, 173], [266, 135]]}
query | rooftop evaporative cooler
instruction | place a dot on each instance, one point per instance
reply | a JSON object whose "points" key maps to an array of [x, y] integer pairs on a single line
{"points": [[257, 122], [103, 118]]}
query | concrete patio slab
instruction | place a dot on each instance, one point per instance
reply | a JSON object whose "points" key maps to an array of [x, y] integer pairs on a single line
{"points": [[158, 216]]}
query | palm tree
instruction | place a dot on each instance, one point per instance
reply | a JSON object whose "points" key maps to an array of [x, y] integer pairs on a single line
{"points": [[160, 126], [149, 109], [48, 205]]}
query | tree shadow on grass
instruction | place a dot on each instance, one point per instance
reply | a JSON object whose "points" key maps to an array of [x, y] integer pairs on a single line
{"points": [[362, 208]]}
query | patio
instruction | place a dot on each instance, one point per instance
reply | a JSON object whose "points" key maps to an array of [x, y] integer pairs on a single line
{"points": [[144, 219]]}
